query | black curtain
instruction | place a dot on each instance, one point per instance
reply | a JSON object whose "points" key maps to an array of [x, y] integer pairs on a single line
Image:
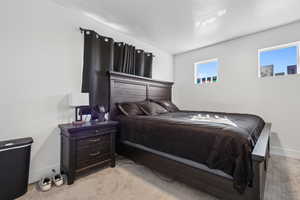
{"points": [[124, 58], [148, 65], [118, 56], [98, 59], [128, 59], [139, 62], [102, 54]]}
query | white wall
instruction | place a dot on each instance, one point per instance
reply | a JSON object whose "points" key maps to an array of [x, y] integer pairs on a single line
{"points": [[276, 99], [41, 52]]}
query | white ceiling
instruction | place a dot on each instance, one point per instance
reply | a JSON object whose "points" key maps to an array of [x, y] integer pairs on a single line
{"points": [[181, 25]]}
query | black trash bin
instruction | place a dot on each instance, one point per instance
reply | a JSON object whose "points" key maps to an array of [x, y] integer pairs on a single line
{"points": [[14, 167]]}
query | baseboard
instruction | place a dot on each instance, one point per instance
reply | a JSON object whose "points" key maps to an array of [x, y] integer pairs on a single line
{"points": [[36, 175], [285, 152]]}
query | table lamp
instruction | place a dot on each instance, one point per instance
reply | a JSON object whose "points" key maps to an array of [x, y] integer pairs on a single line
{"points": [[79, 101]]}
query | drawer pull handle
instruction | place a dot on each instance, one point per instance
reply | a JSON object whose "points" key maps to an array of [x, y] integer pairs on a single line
{"points": [[95, 154], [95, 140]]}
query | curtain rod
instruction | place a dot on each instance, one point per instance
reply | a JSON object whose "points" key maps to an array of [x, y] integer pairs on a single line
{"points": [[83, 29]]}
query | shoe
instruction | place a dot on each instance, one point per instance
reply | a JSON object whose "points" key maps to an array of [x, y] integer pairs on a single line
{"points": [[45, 184], [58, 180]]}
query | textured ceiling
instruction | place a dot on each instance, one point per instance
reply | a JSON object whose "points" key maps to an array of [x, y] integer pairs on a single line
{"points": [[181, 25]]}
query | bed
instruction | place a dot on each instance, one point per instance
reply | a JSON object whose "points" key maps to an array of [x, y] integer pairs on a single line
{"points": [[186, 155]]}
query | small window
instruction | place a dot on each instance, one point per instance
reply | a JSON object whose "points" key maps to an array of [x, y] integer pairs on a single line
{"points": [[279, 61], [206, 71]]}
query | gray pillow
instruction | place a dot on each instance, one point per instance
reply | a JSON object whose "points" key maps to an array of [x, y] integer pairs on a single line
{"points": [[130, 108], [168, 105], [152, 108]]}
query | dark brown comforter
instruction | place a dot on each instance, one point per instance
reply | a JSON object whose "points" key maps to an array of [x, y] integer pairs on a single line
{"points": [[221, 146]]}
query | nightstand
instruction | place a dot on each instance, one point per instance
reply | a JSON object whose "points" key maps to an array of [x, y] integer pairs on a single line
{"points": [[85, 147]]}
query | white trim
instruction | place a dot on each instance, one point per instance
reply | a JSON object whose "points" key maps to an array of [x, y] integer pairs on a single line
{"points": [[280, 46], [291, 44], [291, 153], [202, 62]]}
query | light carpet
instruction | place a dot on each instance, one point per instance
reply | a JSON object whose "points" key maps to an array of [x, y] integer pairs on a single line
{"points": [[129, 181]]}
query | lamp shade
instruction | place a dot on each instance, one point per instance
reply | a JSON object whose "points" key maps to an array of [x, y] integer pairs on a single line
{"points": [[78, 99]]}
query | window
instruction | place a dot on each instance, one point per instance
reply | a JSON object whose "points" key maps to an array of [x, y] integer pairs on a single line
{"points": [[279, 61], [206, 71]]}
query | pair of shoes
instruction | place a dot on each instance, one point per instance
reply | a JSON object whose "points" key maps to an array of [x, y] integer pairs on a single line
{"points": [[45, 183]]}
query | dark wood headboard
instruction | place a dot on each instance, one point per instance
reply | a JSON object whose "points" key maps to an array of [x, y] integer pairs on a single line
{"points": [[130, 88]]}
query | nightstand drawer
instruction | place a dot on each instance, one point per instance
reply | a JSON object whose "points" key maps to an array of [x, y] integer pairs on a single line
{"points": [[94, 140], [93, 159], [93, 151]]}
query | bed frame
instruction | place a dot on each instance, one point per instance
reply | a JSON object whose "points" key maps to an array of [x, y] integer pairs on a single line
{"points": [[130, 88]]}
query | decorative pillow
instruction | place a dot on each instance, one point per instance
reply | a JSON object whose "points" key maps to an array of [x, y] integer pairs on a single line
{"points": [[168, 105], [151, 108], [130, 108]]}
